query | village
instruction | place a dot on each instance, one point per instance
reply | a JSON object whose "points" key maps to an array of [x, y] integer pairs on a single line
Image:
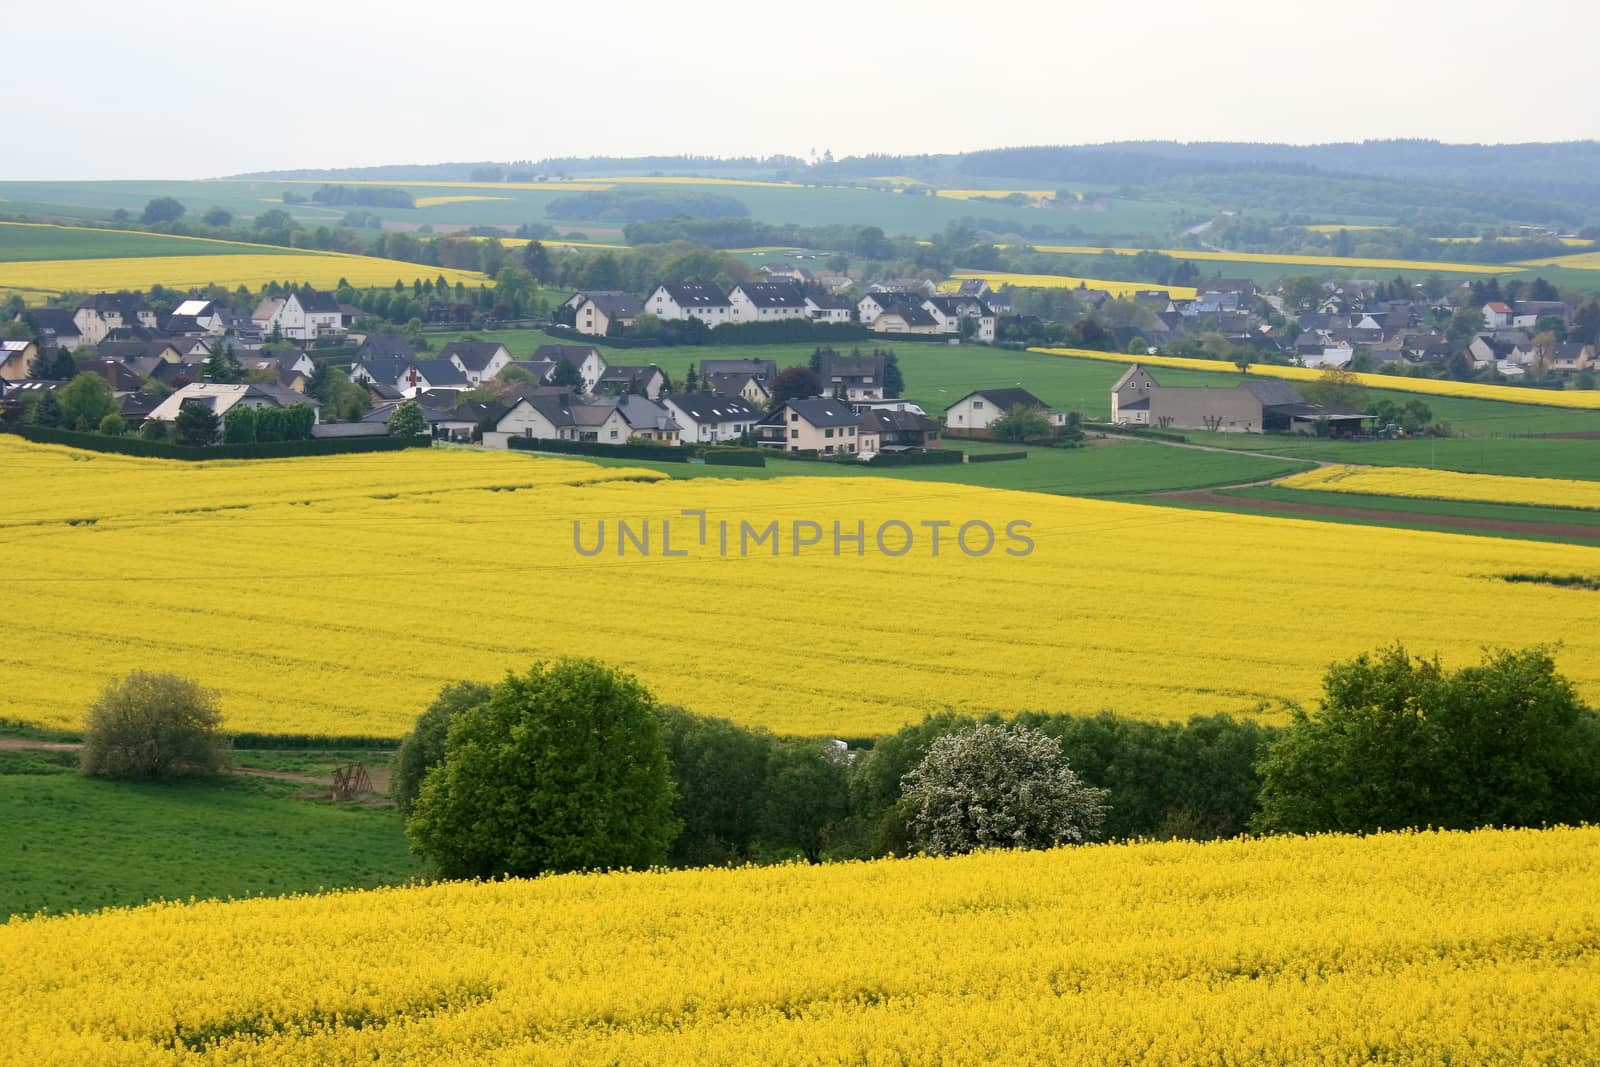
{"points": [[283, 351]]}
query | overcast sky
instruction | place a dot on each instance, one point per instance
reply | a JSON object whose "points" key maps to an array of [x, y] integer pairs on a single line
{"points": [[161, 89]]}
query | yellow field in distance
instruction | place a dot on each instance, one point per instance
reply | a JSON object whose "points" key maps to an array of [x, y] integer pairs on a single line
{"points": [[1290, 260], [436, 201], [1449, 485], [973, 194], [336, 595], [1581, 261], [1588, 399], [1335, 227], [321, 269], [1432, 947], [998, 279]]}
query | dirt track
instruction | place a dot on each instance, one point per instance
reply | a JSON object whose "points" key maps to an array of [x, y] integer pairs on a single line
{"points": [[1465, 523]]}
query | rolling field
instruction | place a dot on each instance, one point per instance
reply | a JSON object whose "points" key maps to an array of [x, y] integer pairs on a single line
{"points": [[73, 842], [55, 259], [1060, 281], [1289, 260], [336, 595], [1449, 485], [22, 241], [1422, 949], [1511, 457]]}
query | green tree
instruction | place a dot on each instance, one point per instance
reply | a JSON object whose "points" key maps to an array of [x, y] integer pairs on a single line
{"points": [[274, 219], [196, 424], [562, 769], [1337, 388], [566, 374], [218, 216], [719, 769], [807, 793], [271, 425], [223, 367], [17, 330], [1464, 325], [536, 261], [423, 748], [894, 381], [1023, 422], [85, 401], [46, 411], [161, 209], [113, 425], [407, 421], [999, 787], [239, 426], [1400, 742], [794, 383], [153, 725]]}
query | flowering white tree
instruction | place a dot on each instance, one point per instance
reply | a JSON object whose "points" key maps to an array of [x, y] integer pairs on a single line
{"points": [[998, 787]]}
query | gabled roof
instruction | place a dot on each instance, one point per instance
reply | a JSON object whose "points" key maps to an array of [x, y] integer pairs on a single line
{"points": [[390, 345], [889, 420], [573, 354], [730, 384], [614, 303], [642, 413], [125, 304], [313, 301], [1129, 373], [835, 366], [57, 321], [1006, 399], [773, 294], [818, 412], [1499, 307], [132, 350], [703, 408], [474, 355], [696, 294], [1273, 393], [439, 372], [830, 301], [385, 369], [760, 368]]}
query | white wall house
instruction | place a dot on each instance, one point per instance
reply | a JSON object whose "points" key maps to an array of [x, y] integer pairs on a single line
{"points": [[708, 303], [587, 359], [307, 316], [767, 302], [103, 312], [480, 361], [708, 418], [977, 410]]}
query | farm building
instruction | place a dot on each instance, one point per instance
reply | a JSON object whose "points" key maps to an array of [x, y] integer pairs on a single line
{"points": [[1137, 399]]}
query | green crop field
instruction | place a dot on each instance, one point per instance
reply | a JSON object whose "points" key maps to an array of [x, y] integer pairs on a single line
{"points": [[1529, 457], [19, 243], [1097, 470], [1562, 525], [73, 842]]}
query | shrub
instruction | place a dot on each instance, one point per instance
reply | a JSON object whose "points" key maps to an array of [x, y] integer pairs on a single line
{"points": [[561, 769], [719, 769], [151, 725], [999, 787]]}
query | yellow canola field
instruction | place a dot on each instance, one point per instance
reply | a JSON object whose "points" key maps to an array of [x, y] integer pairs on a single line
{"points": [[1575, 398], [974, 194], [1059, 281], [1288, 259], [1581, 261], [321, 269], [1411, 949], [1449, 485], [436, 201], [336, 595]]}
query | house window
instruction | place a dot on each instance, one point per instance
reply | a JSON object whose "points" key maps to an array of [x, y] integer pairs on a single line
{"points": [[793, 417], [613, 435], [977, 405], [794, 433], [827, 433]]}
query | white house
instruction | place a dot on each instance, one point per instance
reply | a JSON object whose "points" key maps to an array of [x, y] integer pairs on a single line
{"points": [[1497, 313], [710, 418], [852, 377], [590, 364], [1331, 355], [708, 303], [103, 312], [308, 315], [977, 410], [949, 311], [480, 361], [596, 313], [767, 302], [223, 398], [825, 307], [560, 418]]}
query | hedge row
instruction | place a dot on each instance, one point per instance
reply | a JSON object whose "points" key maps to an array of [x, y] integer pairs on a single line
{"points": [[1134, 431], [662, 453], [137, 446], [931, 458], [995, 457]]}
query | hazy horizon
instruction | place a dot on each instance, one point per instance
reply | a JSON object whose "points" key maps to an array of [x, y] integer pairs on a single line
{"points": [[151, 91]]}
